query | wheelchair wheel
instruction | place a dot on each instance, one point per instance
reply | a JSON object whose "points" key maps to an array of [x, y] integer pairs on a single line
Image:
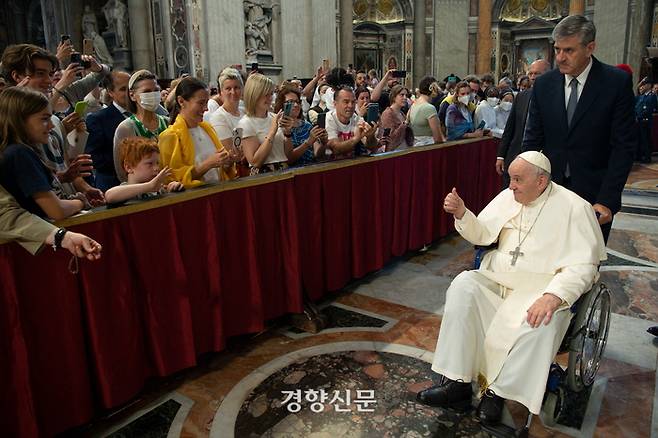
{"points": [[588, 343], [552, 407]]}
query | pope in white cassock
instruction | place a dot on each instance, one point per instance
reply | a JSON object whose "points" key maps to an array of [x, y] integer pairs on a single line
{"points": [[503, 323]]}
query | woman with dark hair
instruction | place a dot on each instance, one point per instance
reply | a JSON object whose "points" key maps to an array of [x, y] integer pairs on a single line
{"points": [[308, 141], [459, 121], [143, 100], [338, 77], [190, 146], [24, 127], [523, 83], [423, 118], [486, 112], [362, 95]]}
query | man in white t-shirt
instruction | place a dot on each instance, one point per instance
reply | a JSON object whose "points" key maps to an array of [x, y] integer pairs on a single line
{"points": [[349, 135]]}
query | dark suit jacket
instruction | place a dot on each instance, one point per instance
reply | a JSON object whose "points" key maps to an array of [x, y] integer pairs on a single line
{"points": [[510, 144], [100, 144], [600, 143]]}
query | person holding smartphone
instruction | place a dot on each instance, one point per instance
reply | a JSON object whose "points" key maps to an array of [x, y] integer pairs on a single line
{"points": [[308, 141], [487, 112], [265, 146], [226, 118], [349, 135], [400, 134], [459, 121]]}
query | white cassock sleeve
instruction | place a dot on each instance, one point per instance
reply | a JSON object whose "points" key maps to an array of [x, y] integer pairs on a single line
{"points": [[572, 281], [472, 229]]}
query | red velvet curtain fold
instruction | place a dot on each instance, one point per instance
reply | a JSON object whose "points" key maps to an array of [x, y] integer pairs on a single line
{"points": [[176, 281]]}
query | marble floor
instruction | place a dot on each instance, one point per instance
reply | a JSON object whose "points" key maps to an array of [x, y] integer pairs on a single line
{"points": [[359, 376]]}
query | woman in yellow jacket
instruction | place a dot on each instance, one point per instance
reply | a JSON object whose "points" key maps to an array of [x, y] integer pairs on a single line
{"points": [[190, 146]]}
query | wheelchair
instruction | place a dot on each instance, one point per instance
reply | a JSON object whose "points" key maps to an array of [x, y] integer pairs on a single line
{"points": [[584, 341]]}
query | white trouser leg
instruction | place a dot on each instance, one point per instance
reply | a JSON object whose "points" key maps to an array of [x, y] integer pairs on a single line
{"points": [[471, 304], [524, 374]]}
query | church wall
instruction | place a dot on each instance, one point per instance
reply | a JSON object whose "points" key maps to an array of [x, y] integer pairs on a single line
{"points": [[324, 33], [224, 35], [297, 42], [640, 34], [451, 37], [611, 20]]}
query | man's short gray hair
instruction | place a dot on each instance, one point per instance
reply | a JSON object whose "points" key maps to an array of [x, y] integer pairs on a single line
{"points": [[575, 25]]}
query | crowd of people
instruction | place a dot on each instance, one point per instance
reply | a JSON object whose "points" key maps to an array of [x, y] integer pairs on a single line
{"points": [[77, 135], [75, 131]]}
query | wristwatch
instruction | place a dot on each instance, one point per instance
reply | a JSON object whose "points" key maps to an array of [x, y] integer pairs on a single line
{"points": [[59, 236]]}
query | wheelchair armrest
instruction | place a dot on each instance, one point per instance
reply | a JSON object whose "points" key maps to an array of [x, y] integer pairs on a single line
{"points": [[480, 251]]}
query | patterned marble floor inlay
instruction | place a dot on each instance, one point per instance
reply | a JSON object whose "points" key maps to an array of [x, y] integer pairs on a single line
{"points": [[154, 424], [345, 317], [351, 394], [633, 293]]}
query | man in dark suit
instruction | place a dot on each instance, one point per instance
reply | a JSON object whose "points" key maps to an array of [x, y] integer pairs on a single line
{"points": [[581, 116], [510, 144], [101, 126], [646, 105]]}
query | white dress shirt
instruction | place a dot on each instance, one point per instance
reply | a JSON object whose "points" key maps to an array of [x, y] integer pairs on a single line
{"points": [[581, 78]]}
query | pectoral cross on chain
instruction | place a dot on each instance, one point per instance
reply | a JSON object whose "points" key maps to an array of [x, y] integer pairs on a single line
{"points": [[515, 254]]}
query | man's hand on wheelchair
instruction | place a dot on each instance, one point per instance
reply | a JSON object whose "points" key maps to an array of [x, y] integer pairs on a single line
{"points": [[542, 310], [603, 213], [454, 205]]}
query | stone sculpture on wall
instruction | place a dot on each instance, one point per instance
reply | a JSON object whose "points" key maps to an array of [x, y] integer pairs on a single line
{"points": [[90, 32], [116, 15], [258, 18]]}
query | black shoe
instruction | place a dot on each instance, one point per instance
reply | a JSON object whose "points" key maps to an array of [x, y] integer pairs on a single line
{"points": [[447, 394], [653, 330], [490, 410]]}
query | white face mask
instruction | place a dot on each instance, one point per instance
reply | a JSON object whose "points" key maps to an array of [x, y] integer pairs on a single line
{"points": [[506, 106], [464, 99], [493, 101], [150, 101]]}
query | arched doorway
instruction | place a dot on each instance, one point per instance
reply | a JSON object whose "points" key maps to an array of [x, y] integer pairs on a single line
{"points": [[379, 32], [369, 44], [522, 31]]}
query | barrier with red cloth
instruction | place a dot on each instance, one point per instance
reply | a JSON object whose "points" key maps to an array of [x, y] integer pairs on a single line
{"points": [[181, 274]]}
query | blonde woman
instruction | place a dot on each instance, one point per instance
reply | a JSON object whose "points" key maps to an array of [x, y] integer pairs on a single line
{"points": [[264, 144]]}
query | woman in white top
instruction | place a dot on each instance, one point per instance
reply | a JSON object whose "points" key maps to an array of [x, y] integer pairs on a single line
{"points": [[486, 111], [225, 119], [143, 100], [264, 144]]}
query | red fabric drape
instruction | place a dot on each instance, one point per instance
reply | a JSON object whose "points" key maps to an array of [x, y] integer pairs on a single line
{"points": [[176, 281]]}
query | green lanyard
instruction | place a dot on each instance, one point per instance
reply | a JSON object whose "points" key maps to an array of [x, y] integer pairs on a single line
{"points": [[143, 132]]}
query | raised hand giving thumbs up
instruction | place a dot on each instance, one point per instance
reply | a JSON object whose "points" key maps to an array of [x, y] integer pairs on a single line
{"points": [[454, 205]]}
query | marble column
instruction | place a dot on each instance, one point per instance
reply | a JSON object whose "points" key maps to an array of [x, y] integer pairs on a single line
{"points": [[419, 42], [141, 35], [484, 44], [576, 7], [346, 34]]}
